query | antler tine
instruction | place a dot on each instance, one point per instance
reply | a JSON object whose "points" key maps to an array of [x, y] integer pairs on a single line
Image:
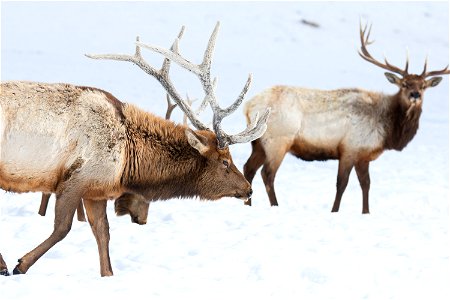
{"points": [[364, 53], [440, 72], [136, 59], [173, 56], [407, 60], [240, 98], [170, 107], [207, 57], [166, 64], [254, 130], [190, 102], [424, 72]]}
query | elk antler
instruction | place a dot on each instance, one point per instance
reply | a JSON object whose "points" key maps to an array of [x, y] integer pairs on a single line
{"points": [[170, 107], [198, 111], [162, 75], [254, 130], [364, 53], [426, 74], [203, 71]]}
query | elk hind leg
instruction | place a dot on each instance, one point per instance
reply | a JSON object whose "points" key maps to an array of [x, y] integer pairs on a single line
{"points": [[362, 170], [80, 212], [268, 173], [65, 206], [44, 203], [254, 162], [3, 267], [96, 213], [345, 167]]}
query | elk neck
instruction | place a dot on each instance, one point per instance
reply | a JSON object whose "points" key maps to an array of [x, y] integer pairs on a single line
{"points": [[160, 164], [402, 122]]}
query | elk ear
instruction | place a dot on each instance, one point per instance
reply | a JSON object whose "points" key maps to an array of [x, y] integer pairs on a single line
{"points": [[392, 78], [433, 81], [197, 141]]}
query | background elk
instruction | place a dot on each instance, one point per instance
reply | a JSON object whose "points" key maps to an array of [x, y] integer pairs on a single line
{"points": [[352, 125], [80, 142]]}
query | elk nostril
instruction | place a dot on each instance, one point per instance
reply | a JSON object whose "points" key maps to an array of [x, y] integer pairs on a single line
{"points": [[415, 95], [250, 193]]}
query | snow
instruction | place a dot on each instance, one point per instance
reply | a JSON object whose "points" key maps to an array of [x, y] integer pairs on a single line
{"points": [[225, 250]]}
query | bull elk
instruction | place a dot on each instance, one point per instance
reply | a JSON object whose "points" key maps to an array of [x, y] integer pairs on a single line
{"points": [[83, 143], [352, 125], [127, 204]]}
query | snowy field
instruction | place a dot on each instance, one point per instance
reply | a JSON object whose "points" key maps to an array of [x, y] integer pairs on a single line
{"points": [[224, 250]]}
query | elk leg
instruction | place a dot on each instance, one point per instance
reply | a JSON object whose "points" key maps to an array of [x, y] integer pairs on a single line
{"points": [[268, 173], [66, 204], [80, 212], [96, 213], [3, 267], [44, 204], [345, 167], [253, 163], [362, 170]]}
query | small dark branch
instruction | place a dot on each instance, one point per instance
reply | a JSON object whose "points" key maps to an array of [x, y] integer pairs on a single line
{"points": [[310, 23]]}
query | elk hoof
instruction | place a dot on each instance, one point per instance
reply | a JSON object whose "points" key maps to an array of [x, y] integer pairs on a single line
{"points": [[16, 271], [4, 272]]}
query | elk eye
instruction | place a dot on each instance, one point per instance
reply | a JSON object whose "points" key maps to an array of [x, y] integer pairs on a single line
{"points": [[225, 163]]}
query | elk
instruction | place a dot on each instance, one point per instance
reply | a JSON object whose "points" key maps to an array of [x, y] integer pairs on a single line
{"points": [[83, 143], [127, 204], [353, 126]]}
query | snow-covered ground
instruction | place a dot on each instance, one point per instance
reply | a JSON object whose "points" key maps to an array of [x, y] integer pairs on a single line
{"points": [[225, 250]]}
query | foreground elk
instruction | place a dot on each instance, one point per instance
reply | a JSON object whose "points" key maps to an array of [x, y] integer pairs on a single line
{"points": [[127, 204], [80, 142], [352, 125]]}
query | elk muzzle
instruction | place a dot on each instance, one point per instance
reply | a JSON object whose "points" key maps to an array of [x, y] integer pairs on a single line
{"points": [[414, 96]]}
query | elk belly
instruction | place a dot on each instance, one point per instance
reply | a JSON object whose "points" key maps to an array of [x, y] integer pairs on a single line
{"points": [[29, 162]]}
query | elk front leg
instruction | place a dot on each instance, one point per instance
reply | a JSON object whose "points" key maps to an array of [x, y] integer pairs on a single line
{"points": [[254, 162], [96, 213], [362, 170], [3, 267], [345, 167], [66, 204]]}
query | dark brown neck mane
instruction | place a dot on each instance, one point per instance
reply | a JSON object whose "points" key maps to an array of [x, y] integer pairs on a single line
{"points": [[402, 124], [160, 162]]}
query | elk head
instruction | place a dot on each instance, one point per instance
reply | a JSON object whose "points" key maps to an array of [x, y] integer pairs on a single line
{"points": [[134, 205], [212, 145], [411, 86]]}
